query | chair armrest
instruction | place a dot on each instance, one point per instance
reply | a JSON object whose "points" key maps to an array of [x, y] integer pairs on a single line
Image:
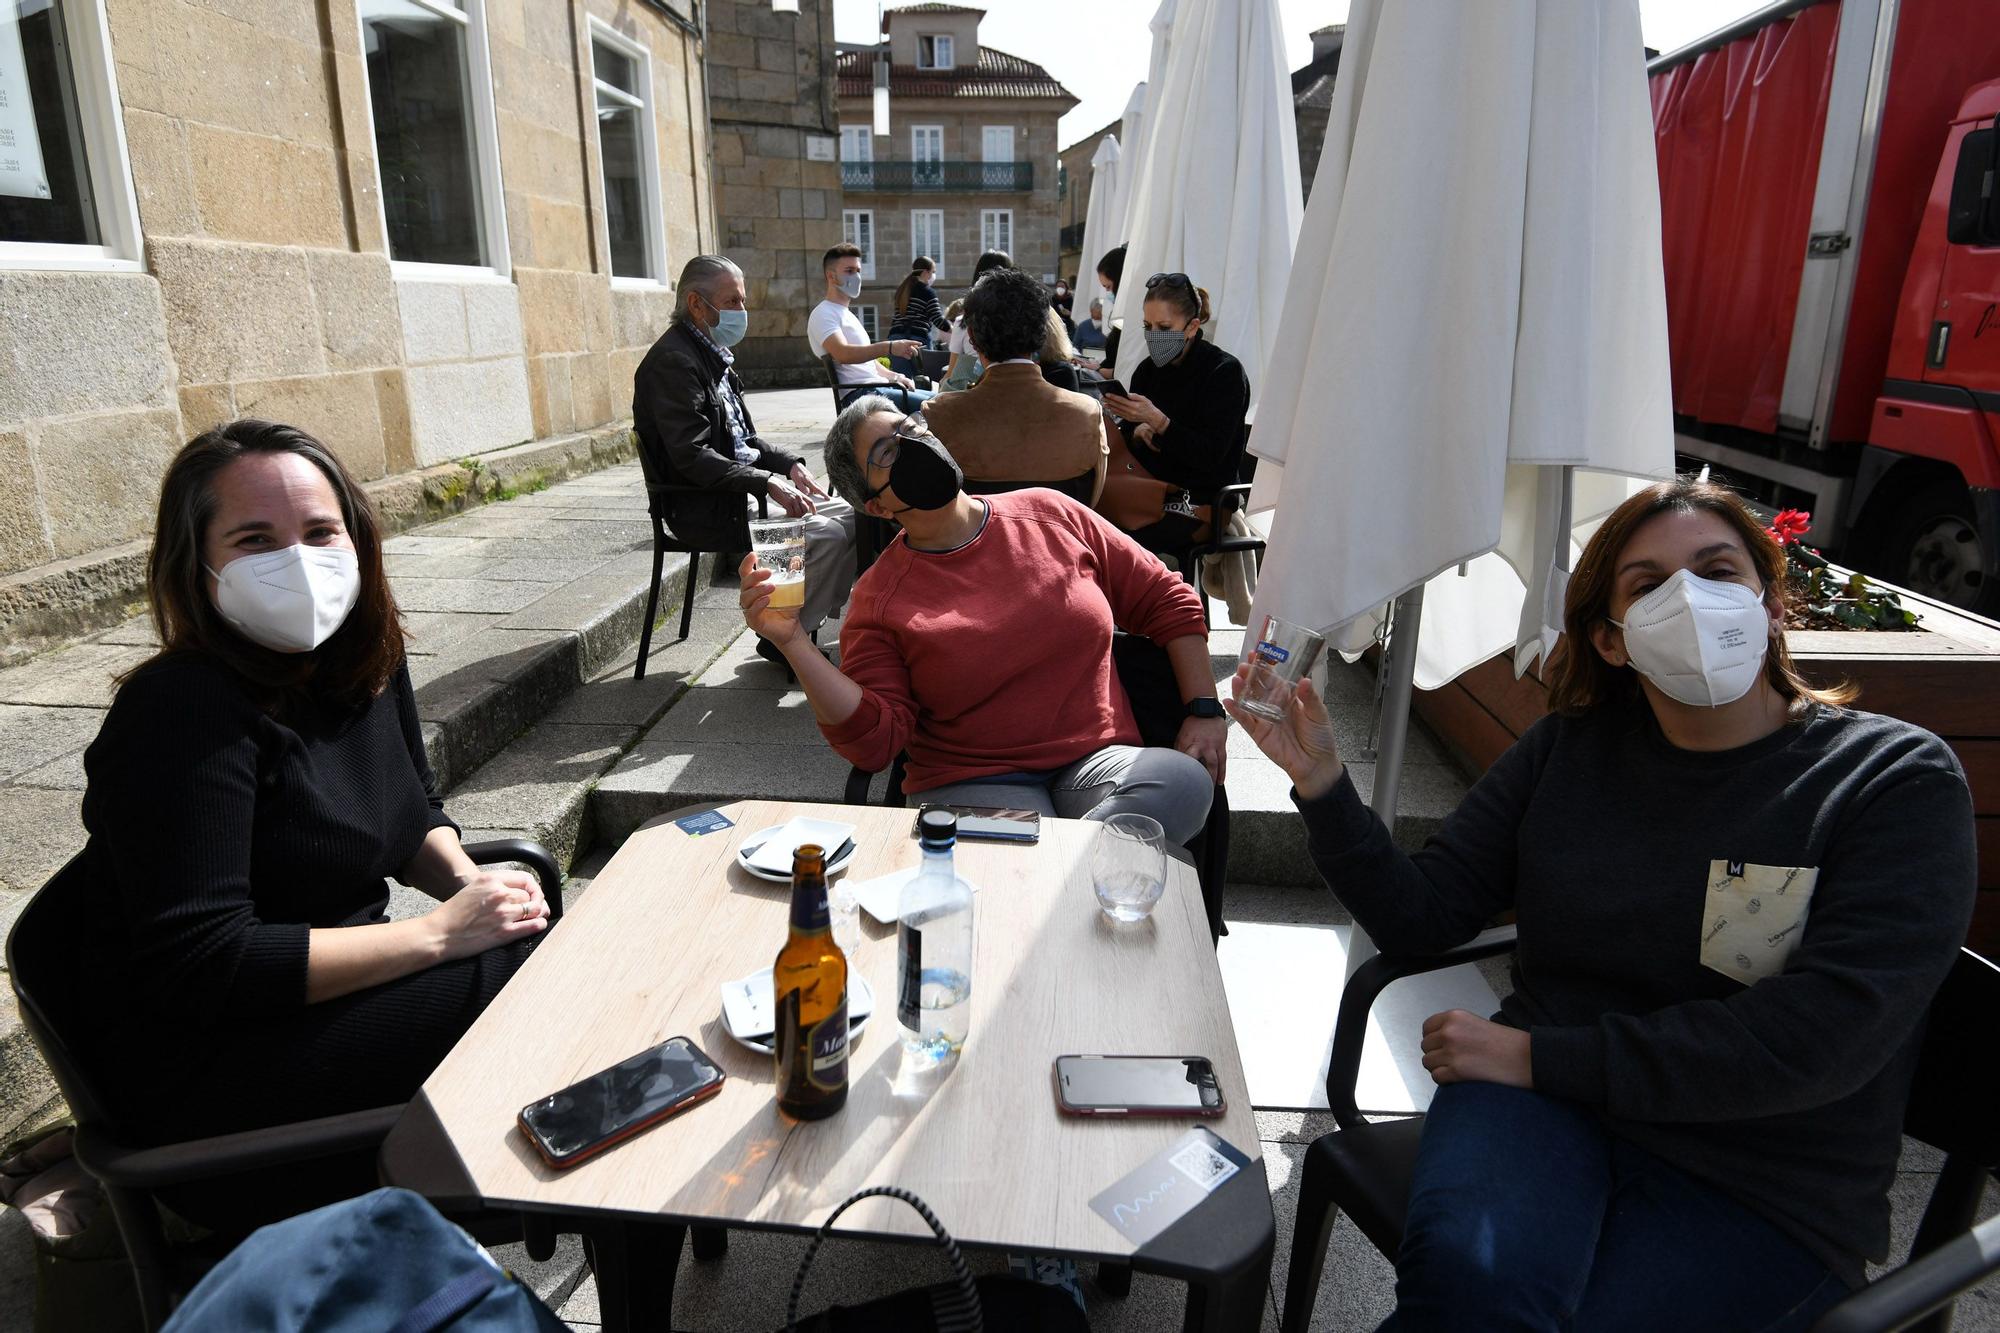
{"points": [[225, 1154], [1914, 1290], [1350, 1027], [858, 781], [530, 854], [1233, 497]]}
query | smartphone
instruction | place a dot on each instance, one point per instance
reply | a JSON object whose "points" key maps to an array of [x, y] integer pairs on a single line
{"points": [[614, 1104], [988, 822], [1164, 1085], [1113, 388]]}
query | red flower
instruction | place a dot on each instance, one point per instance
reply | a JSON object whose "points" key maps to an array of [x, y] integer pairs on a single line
{"points": [[1789, 526]]}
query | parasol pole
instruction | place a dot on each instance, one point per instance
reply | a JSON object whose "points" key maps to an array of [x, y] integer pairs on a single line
{"points": [[1392, 730]]}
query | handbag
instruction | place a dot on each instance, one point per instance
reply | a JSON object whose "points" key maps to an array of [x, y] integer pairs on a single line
{"points": [[961, 1305], [1134, 498]]}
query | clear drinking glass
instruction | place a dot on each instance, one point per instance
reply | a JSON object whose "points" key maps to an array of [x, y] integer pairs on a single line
{"points": [[1128, 866], [845, 911], [780, 546], [1279, 658]]}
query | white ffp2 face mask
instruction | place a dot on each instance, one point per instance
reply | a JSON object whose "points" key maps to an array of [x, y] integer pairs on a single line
{"points": [[290, 600], [1700, 641]]}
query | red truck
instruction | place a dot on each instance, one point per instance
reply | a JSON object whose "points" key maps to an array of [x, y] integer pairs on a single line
{"points": [[1831, 227]]}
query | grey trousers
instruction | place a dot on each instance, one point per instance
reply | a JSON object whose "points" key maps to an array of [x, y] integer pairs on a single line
{"points": [[1118, 780], [830, 559]]}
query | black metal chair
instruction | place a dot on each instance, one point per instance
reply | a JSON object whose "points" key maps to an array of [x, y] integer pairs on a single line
{"points": [[1148, 680], [1366, 1168], [665, 541], [1228, 501], [833, 380], [38, 955]]}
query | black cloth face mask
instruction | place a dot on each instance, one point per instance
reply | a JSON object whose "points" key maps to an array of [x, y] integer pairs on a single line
{"points": [[924, 475]]}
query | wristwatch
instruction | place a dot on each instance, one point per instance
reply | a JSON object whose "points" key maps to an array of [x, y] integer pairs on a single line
{"points": [[1205, 706]]}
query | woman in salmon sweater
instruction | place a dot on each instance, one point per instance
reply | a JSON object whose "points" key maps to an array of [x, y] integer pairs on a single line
{"points": [[980, 642]]}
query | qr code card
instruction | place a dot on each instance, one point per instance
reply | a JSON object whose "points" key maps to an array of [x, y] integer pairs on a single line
{"points": [[1169, 1185], [1203, 1165]]}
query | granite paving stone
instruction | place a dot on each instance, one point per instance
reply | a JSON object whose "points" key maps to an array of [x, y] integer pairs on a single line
{"points": [[64, 774], [428, 633], [78, 676], [428, 543], [465, 594], [541, 569], [44, 828], [32, 737], [660, 776]]}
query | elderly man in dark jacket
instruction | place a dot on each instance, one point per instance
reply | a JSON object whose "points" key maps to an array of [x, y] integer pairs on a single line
{"points": [[695, 430]]}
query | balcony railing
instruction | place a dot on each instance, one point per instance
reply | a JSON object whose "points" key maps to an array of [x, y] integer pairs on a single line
{"points": [[943, 177]]}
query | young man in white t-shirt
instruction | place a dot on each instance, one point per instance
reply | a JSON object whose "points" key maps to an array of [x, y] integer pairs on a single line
{"points": [[833, 330]]}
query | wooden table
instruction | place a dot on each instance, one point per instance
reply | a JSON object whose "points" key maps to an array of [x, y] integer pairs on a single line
{"points": [[641, 956]]}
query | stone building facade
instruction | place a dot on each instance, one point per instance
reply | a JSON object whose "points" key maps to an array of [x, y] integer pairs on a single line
{"points": [[777, 171], [1312, 99], [421, 229], [969, 163]]}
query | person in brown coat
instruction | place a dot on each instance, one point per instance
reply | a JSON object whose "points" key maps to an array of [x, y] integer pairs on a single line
{"points": [[1014, 427]]}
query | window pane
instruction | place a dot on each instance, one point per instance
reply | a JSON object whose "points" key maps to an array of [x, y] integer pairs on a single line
{"points": [[621, 145], [420, 90], [45, 191], [615, 68]]}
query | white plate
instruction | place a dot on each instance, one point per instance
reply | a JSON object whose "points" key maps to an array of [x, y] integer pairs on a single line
{"points": [[747, 1007], [755, 842]]}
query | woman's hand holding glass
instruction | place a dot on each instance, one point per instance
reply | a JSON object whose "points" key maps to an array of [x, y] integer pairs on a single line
{"points": [[1301, 742], [490, 908], [780, 627]]}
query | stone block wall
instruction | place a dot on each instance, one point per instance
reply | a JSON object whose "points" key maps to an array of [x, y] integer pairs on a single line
{"points": [[771, 98], [267, 287]]}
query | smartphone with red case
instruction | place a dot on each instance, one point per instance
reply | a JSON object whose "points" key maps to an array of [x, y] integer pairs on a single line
{"points": [[1129, 1085], [612, 1105]]}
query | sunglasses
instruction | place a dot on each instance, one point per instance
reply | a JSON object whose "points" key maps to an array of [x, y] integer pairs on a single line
{"points": [[1180, 280]]}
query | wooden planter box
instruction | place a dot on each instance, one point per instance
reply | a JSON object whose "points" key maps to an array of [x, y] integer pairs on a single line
{"points": [[1945, 677]]}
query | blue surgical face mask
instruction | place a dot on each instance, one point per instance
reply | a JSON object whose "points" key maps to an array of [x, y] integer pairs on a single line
{"points": [[730, 326]]}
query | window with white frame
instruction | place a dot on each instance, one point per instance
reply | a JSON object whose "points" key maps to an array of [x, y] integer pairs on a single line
{"points": [[926, 155], [66, 198], [857, 143], [996, 229], [927, 237], [934, 51], [866, 314], [858, 225], [997, 143], [430, 96], [623, 76]]}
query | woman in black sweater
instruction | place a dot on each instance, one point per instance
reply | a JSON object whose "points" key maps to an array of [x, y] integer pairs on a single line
{"points": [[917, 313], [1735, 899], [1183, 420], [252, 786]]}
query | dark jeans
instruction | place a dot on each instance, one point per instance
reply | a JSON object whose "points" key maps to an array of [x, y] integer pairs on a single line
{"points": [[1526, 1214]]}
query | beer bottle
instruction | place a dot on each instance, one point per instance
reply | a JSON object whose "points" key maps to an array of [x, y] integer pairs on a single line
{"points": [[809, 984]]}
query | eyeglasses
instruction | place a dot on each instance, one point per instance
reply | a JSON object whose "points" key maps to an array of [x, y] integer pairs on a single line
{"points": [[890, 446], [1180, 280]]}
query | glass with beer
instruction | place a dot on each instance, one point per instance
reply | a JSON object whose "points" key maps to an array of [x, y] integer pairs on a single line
{"points": [[780, 546]]}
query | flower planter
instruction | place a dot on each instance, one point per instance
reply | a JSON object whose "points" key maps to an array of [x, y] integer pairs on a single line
{"points": [[1944, 677]]}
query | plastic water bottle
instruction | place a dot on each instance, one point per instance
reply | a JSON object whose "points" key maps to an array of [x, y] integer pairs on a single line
{"points": [[934, 949]]}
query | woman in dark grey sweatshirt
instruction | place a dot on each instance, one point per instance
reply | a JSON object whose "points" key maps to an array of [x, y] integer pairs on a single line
{"points": [[1735, 896]]}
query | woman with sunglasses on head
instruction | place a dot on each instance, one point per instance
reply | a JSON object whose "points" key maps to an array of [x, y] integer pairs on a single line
{"points": [[251, 787], [980, 642], [1182, 423], [1736, 897]]}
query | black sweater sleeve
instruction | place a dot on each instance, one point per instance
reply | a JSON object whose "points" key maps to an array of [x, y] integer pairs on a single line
{"points": [[413, 739], [1446, 893], [172, 797]]}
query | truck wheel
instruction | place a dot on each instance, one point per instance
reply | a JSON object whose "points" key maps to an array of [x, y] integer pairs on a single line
{"points": [[1931, 546]]}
